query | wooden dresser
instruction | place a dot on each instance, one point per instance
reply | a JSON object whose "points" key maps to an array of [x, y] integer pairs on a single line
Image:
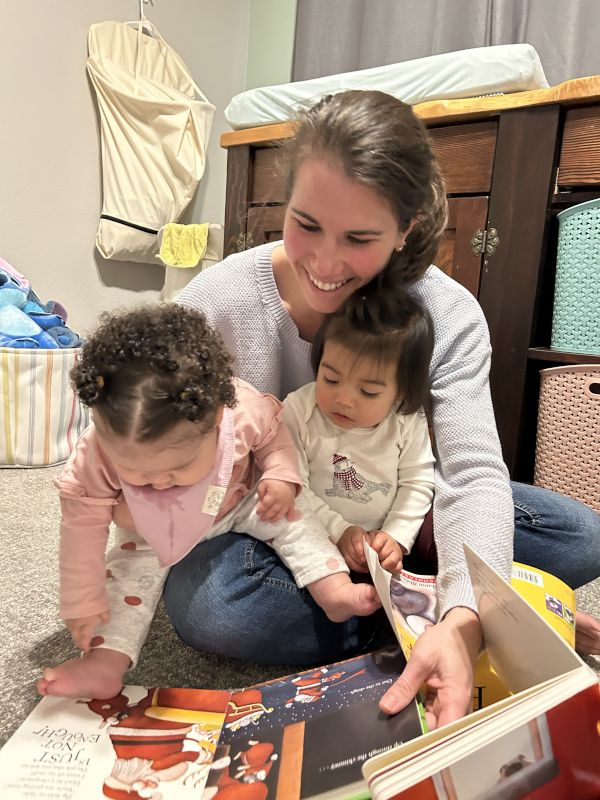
{"points": [[510, 163]]}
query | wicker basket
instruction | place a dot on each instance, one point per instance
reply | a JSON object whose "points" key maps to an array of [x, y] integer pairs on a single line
{"points": [[567, 457], [576, 316]]}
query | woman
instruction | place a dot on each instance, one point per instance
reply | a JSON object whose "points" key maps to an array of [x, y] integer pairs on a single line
{"points": [[366, 201]]}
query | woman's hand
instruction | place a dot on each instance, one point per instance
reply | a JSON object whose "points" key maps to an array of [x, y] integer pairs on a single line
{"points": [[276, 500], [83, 628], [444, 659]]}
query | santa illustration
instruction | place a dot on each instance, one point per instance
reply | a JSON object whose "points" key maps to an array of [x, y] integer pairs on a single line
{"points": [[245, 708], [310, 688], [158, 738], [347, 482]]}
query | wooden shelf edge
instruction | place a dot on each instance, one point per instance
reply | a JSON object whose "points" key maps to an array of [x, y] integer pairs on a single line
{"points": [[561, 356]]}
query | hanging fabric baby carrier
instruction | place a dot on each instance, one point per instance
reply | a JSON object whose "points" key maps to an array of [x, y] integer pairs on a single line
{"points": [[155, 125]]}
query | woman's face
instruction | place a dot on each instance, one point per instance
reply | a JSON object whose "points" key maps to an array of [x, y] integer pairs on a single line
{"points": [[338, 234]]}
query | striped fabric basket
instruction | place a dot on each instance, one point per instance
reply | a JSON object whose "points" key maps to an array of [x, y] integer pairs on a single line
{"points": [[40, 416]]}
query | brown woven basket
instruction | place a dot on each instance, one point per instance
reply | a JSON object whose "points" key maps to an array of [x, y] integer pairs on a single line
{"points": [[567, 455]]}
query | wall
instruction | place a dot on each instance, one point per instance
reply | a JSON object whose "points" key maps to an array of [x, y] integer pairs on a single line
{"points": [[49, 160], [270, 42]]}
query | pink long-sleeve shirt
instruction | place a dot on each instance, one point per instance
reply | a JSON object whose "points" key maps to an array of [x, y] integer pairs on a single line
{"points": [[253, 443]]}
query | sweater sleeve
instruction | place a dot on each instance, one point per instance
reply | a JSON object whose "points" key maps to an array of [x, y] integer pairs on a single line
{"points": [[88, 490], [473, 500], [415, 481]]}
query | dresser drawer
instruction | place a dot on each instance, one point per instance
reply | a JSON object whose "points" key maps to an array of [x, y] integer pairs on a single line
{"points": [[579, 163]]}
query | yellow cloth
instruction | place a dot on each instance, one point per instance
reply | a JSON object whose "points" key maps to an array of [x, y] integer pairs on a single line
{"points": [[183, 245]]}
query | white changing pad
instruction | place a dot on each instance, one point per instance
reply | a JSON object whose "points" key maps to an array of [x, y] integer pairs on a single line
{"points": [[464, 73]]}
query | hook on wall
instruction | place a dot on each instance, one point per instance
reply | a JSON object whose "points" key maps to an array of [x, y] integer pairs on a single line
{"points": [[142, 4]]}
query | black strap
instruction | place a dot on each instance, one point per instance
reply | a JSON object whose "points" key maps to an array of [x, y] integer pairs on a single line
{"points": [[129, 224]]}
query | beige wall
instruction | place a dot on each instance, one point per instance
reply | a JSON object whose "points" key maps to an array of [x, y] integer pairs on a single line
{"points": [[50, 190], [270, 42]]}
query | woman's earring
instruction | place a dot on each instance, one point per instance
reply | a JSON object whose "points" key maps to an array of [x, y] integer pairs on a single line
{"points": [[400, 248]]}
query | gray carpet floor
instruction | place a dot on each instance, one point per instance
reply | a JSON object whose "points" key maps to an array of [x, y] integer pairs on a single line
{"points": [[33, 635]]}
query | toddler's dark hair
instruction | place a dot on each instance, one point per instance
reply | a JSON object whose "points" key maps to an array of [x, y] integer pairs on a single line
{"points": [[391, 327], [148, 368]]}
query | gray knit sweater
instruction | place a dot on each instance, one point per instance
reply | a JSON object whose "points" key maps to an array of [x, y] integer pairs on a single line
{"points": [[473, 500]]}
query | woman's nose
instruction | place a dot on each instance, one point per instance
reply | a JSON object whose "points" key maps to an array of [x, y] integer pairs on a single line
{"points": [[327, 262]]}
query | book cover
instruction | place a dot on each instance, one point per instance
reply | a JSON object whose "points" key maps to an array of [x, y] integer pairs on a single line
{"points": [[542, 741], [300, 736]]}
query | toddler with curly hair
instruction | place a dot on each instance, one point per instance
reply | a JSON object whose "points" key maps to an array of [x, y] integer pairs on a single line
{"points": [[178, 451]]}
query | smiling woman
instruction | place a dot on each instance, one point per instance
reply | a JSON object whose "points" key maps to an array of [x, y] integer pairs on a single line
{"points": [[343, 243]]}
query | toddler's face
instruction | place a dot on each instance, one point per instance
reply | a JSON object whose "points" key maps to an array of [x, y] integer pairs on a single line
{"points": [[183, 456], [351, 392]]}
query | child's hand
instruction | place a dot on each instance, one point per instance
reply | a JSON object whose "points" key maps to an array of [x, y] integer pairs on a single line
{"points": [[389, 551], [83, 628], [276, 500], [350, 545]]}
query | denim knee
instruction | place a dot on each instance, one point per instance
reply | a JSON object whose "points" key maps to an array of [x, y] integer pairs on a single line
{"points": [[233, 596], [556, 533]]}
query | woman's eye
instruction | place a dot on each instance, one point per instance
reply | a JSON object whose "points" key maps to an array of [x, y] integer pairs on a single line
{"points": [[330, 381], [305, 226], [354, 241]]}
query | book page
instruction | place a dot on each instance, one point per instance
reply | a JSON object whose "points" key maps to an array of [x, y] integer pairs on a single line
{"points": [[315, 731], [523, 648], [410, 602], [155, 743]]}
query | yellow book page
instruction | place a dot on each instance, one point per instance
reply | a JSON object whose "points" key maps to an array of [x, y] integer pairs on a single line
{"points": [[551, 598]]}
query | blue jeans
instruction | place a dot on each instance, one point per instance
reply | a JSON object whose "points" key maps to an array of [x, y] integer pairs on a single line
{"points": [[232, 595]]}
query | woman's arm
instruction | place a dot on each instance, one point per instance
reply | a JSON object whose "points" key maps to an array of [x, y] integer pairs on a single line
{"points": [[473, 501]]}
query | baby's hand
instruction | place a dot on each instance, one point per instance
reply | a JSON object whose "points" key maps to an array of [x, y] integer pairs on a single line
{"points": [[350, 545], [83, 628], [276, 500], [389, 551]]}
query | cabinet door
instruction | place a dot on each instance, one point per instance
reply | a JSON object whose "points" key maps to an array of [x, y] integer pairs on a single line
{"points": [[264, 224], [455, 255]]}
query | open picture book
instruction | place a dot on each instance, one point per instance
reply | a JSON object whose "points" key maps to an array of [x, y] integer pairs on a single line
{"points": [[540, 737], [303, 735], [320, 734]]}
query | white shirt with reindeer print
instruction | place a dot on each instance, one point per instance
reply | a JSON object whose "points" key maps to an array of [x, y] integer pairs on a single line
{"points": [[380, 478]]}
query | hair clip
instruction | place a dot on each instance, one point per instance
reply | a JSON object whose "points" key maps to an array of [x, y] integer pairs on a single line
{"points": [[99, 381]]}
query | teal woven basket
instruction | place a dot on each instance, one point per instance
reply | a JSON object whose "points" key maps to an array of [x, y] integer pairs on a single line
{"points": [[576, 315]]}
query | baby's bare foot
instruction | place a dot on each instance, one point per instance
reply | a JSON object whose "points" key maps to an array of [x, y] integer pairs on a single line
{"points": [[354, 599], [97, 674], [341, 599]]}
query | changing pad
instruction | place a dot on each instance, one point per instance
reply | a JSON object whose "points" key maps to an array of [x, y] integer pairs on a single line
{"points": [[464, 73]]}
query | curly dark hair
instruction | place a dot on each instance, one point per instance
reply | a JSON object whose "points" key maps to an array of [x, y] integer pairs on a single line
{"points": [[381, 143], [148, 368], [389, 327]]}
